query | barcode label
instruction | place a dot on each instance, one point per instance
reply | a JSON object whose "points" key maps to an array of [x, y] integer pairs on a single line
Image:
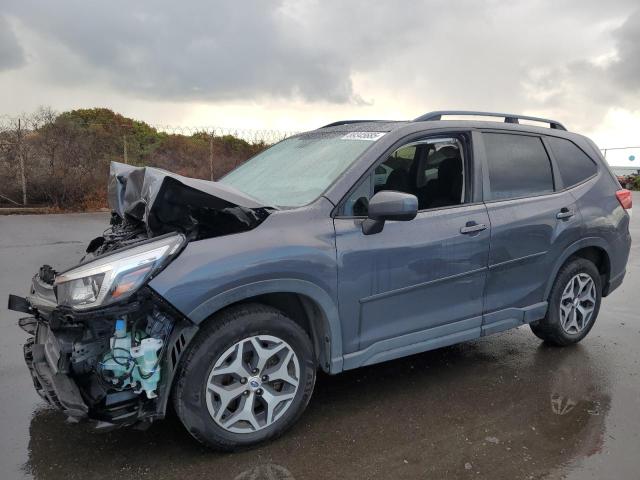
{"points": [[369, 136]]}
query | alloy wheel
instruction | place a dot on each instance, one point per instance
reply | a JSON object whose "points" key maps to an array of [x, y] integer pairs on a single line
{"points": [[577, 303], [252, 384]]}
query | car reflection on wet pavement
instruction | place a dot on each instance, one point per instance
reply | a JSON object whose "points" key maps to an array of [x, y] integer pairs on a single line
{"points": [[501, 408], [505, 406]]}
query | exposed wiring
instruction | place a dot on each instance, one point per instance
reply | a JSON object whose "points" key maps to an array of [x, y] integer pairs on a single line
{"points": [[128, 361], [125, 360]]}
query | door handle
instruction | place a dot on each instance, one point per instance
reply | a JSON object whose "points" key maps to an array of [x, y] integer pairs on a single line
{"points": [[473, 227], [565, 213]]}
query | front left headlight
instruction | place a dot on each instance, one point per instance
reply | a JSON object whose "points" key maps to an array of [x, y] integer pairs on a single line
{"points": [[116, 276]]}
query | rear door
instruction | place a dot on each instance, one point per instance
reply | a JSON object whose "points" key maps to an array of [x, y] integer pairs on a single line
{"points": [[532, 222]]}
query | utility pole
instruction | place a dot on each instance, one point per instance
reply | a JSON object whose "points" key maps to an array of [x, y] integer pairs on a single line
{"points": [[211, 155], [124, 147], [20, 151]]}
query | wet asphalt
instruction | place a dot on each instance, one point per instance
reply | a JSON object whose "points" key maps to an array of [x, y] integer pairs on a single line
{"points": [[505, 406]]}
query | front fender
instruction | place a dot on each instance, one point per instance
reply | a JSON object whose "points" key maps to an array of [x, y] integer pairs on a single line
{"points": [[285, 285], [292, 251]]}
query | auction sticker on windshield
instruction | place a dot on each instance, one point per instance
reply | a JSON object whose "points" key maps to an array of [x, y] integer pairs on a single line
{"points": [[370, 136]]}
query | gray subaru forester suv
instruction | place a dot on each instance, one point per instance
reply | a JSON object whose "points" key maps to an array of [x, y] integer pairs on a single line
{"points": [[357, 243]]}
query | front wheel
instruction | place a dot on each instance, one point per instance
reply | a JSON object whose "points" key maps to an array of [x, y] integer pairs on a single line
{"points": [[574, 303], [247, 377]]}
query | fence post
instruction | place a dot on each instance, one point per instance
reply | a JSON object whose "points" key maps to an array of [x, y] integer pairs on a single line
{"points": [[19, 149], [211, 155], [124, 147]]}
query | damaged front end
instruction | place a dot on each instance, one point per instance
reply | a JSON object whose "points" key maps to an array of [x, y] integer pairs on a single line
{"points": [[104, 346], [113, 365]]}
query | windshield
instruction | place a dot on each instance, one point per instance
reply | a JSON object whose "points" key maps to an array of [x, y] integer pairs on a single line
{"points": [[298, 170]]}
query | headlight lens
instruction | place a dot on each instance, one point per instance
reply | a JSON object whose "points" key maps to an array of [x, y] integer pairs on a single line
{"points": [[114, 277]]}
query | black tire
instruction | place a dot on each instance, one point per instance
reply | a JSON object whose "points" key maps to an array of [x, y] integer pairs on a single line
{"points": [[217, 335], [549, 328]]}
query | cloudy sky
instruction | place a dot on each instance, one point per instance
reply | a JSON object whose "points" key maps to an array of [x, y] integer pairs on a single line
{"points": [[298, 64]]}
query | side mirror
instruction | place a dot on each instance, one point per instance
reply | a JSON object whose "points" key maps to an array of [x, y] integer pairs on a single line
{"points": [[389, 205]]}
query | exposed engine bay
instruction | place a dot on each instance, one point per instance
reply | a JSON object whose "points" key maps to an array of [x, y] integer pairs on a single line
{"points": [[112, 366], [104, 345]]}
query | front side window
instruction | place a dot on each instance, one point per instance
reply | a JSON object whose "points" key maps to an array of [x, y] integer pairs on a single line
{"points": [[574, 165], [518, 166], [298, 170], [432, 170]]}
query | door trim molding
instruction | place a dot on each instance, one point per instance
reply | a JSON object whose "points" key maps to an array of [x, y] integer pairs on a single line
{"points": [[515, 260], [390, 293]]}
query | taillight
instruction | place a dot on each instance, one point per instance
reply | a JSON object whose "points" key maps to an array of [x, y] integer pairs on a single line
{"points": [[625, 198]]}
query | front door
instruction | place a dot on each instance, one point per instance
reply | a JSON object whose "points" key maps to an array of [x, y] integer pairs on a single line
{"points": [[417, 284]]}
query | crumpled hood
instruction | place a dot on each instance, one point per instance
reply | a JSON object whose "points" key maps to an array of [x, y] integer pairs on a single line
{"points": [[166, 202]]}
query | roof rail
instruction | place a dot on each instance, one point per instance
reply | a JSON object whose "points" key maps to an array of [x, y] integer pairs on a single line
{"points": [[508, 117], [348, 122]]}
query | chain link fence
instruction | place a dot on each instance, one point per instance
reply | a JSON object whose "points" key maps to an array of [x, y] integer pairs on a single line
{"points": [[268, 136]]}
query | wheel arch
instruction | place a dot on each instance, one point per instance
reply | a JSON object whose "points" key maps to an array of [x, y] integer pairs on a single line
{"points": [[594, 249], [302, 301]]}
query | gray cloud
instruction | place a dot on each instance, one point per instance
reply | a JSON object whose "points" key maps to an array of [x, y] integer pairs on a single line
{"points": [[495, 55], [584, 89], [196, 50], [626, 69], [11, 53]]}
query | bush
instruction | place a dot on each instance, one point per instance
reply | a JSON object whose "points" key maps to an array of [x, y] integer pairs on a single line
{"points": [[67, 156]]}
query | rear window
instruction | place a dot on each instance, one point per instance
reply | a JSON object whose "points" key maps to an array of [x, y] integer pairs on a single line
{"points": [[574, 165], [518, 166]]}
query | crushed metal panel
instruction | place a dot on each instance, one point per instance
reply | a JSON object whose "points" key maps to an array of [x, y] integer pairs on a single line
{"points": [[167, 202]]}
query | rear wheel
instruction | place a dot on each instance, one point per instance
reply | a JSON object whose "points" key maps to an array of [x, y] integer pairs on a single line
{"points": [[247, 377], [574, 303]]}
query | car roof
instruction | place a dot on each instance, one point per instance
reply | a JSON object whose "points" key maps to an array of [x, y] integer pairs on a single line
{"points": [[397, 131], [434, 120], [407, 126]]}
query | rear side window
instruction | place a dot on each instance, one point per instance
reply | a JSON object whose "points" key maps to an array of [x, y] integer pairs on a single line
{"points": [[518, 166], [574, 165]]}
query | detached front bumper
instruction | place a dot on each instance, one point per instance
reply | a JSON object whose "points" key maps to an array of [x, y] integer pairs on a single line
{"points": [[42, 354], [58, 389], [66, 352]]}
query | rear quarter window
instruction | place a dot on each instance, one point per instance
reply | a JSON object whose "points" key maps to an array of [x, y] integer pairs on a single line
{"points": [[518, 166], [574, 165]]}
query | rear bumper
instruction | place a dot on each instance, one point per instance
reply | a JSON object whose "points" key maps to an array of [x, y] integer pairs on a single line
{"points": [[619, 257], [613, 283]]}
